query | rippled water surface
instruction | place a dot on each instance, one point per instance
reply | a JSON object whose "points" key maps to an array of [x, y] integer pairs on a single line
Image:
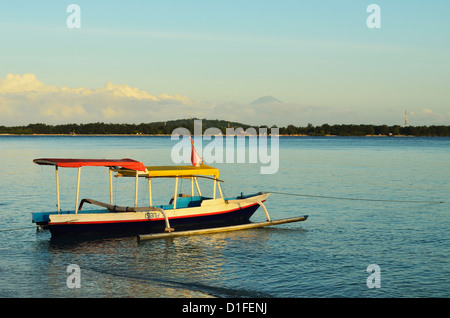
{"points": [[325, 256]]}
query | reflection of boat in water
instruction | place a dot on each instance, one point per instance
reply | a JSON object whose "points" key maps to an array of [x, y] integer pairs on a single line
{"points": [[184, 212]]}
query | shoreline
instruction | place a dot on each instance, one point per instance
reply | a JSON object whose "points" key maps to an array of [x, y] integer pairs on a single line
{"points": [[167, 135], [221, 128]]}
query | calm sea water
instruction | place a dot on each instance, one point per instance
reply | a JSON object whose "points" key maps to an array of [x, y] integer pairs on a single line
{"points": [[325, 256]]}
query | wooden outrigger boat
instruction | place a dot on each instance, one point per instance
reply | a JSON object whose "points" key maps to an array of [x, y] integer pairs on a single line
{"points": [[184, 215]]}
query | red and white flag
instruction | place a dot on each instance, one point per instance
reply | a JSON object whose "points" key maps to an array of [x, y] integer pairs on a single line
{"points": [[195, 158]]}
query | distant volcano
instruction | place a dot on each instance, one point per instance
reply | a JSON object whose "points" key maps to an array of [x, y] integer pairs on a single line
{"points": [[266, 100]]}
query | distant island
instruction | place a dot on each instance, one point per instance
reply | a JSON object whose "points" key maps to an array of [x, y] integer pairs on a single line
{"points": [[166, 128]]}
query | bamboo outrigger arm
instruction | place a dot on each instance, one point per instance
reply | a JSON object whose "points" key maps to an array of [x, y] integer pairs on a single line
{"points": [[115, 208], [265, 210]]}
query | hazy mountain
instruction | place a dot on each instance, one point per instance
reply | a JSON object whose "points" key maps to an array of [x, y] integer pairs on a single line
{"points": [[266, 100]]}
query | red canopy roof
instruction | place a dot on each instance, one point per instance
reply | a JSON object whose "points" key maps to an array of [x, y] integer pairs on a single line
{"points": [[76, 163]]}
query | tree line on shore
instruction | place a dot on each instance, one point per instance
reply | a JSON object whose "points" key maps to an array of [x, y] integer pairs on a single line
{"points": [[166, 128]]}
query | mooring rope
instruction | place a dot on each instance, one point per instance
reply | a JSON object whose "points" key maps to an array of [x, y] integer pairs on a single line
{"points": [[18, 228], [354, 199]]}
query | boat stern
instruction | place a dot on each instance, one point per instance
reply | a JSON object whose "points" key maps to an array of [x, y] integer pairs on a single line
{"points": [[41, 218]]}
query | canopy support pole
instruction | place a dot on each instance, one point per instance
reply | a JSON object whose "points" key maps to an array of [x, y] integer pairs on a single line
{"points": [[136, 189], [176, 194], [198, 187], [57, 190], [214, 190], [220, 189], [192, 186], [78, 190], [150, 192], [110, 187]]}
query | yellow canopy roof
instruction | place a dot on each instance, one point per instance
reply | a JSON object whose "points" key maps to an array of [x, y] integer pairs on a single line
{"points": [[171, 171]]}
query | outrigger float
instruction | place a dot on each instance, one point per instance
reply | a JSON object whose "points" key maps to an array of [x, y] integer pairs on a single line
{"points": [[184, 215]]}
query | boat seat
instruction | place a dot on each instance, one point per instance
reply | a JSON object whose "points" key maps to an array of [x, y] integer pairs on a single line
{"points": [[184, 201], [180, 195]]}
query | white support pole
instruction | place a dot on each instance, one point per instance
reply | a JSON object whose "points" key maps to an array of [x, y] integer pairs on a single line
{"points": [[198, 187], [57, 190], [110, 187], [220, 190], [78, 190], [192, 186], [176, 194], [150, 192], [214, 190], [136, 189]]}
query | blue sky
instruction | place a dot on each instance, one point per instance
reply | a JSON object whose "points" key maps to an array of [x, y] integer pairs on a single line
{"points": [[140, 61]]}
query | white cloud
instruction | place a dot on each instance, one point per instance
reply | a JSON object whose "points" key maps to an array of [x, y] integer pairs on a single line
{"points": [[64, 111], [124, 90], [22, 84], [110, 113], [427, 111], [25, 99]]}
